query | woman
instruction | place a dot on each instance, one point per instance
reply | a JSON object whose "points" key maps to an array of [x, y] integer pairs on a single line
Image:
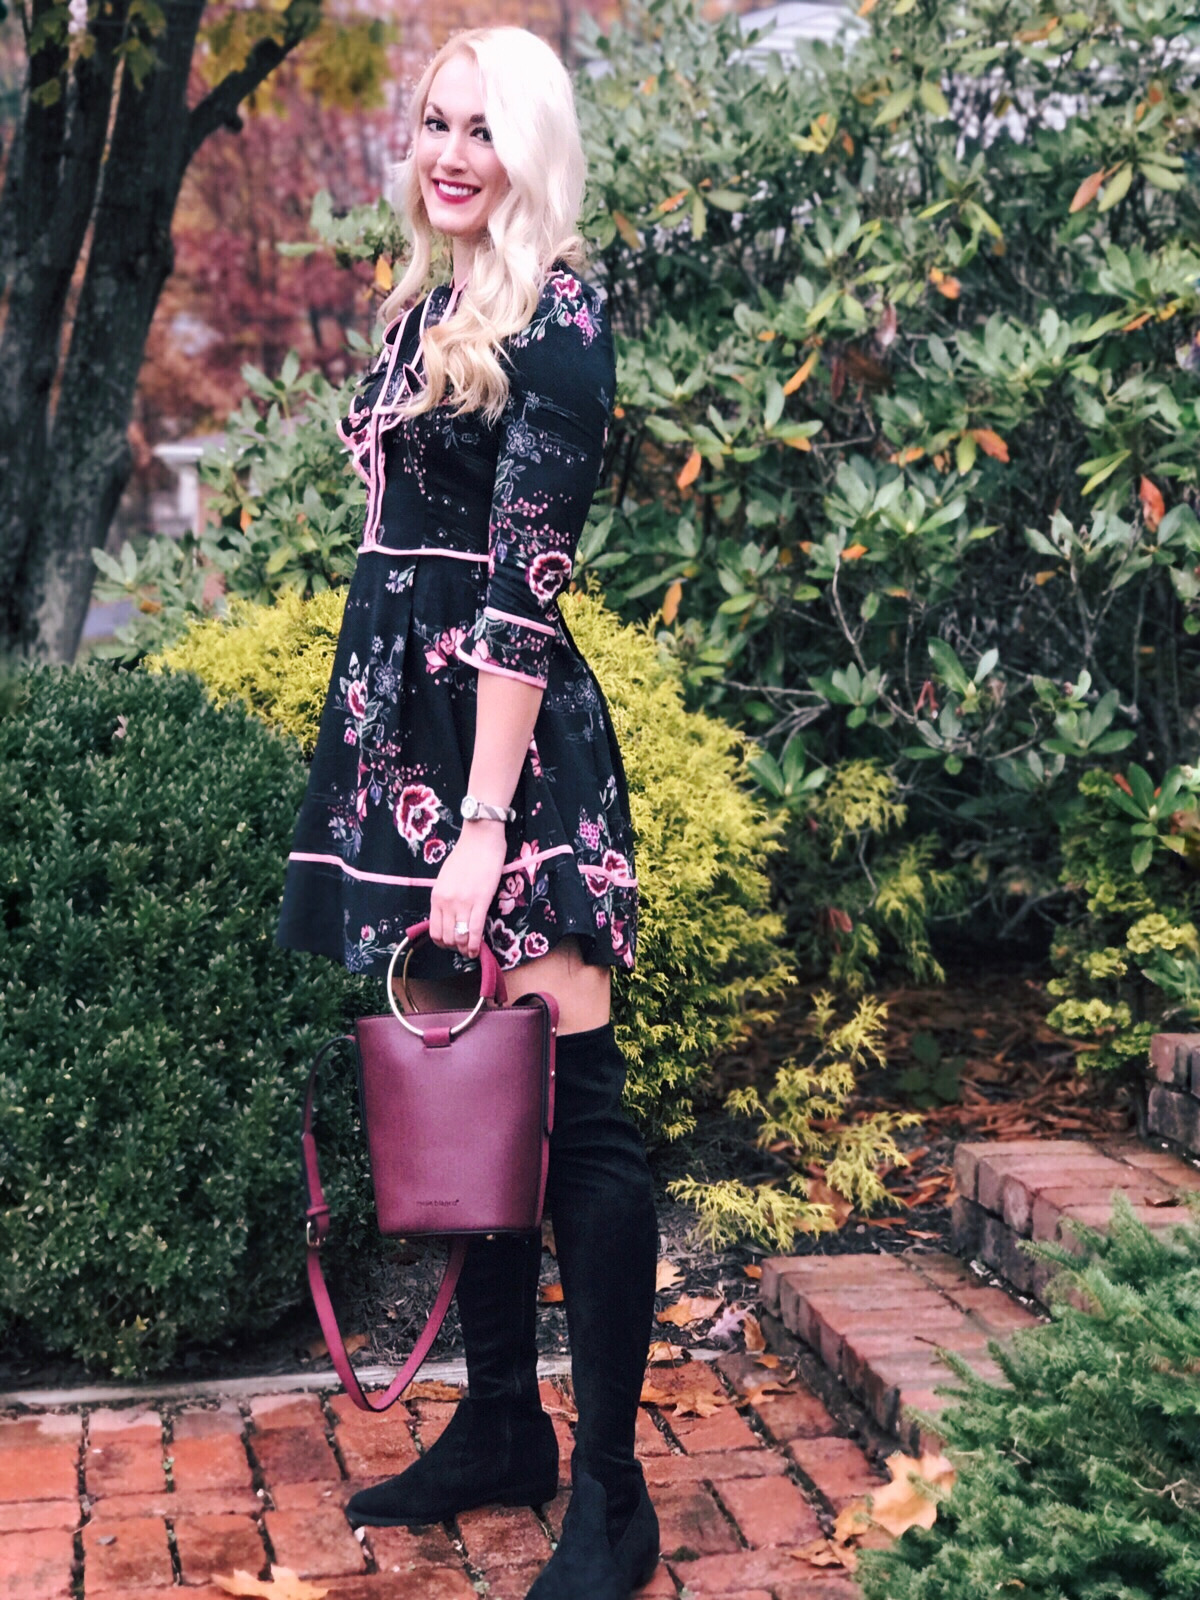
{"points": [[466, 770]]}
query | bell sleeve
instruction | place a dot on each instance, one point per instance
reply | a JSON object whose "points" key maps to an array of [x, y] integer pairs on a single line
{"points": [[552, 437]]}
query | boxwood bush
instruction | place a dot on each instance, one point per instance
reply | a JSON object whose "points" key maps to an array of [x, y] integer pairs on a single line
{"points": [[708, 936], [155, 1039]]}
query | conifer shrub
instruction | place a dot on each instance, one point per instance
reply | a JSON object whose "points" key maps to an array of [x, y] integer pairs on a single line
{"points": [[1081, 1479], [155, 1040], [708, 939]]}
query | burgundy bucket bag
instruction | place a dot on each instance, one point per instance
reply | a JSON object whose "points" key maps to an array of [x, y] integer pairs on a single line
{"points": [[458, 1107]]}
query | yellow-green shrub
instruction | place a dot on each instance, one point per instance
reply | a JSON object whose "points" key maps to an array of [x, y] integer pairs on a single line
{"points": [[708, 938]]}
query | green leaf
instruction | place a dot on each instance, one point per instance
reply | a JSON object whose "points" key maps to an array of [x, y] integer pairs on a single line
{"points": [[1141, 855], [1117, 187], [894, 106], [932, 98]]}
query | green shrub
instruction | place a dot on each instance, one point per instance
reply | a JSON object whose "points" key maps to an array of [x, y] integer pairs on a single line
{"points": [[708, 939], [1128, 953], [155, 1039], [1081, 1480]]}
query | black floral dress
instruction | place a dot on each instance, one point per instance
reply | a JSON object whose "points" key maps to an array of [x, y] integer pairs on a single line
{"points": [[469, 538]]}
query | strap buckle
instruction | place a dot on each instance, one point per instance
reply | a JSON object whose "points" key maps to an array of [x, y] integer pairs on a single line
{"points": [[311, 1237]]}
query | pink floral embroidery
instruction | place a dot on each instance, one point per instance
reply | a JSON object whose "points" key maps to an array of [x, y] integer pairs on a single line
{"points": [[368, 934], [596, 880], [528, 858], [547, 574], [617, 868], [416, 812], [536, 944], [356, 699], [443, 650], [349, 737], [435, 850], [506, 947], [362, 802], [589, 833], [512, 892]]}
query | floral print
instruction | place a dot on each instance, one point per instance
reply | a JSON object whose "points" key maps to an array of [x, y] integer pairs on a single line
{"points": [[470, 539]]}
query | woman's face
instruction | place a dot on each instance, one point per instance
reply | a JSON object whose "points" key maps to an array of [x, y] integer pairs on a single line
{"points": [[462, 180]]}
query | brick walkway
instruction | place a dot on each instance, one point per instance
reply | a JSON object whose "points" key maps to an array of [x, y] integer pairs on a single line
{"points": [[128, 1504]]}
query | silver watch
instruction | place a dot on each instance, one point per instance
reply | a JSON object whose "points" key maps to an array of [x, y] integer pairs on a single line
{"points": [[476, 810]]}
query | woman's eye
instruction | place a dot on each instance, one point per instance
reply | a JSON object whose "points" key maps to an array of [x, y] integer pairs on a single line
{"points": [[484, 134], [434, 122]]}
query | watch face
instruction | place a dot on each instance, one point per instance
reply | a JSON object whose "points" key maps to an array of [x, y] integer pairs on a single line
{"points": [[469, 806]]}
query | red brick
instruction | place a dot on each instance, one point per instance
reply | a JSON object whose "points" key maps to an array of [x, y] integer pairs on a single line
{"points": [[206, 1422], [504, 1536], [345, 1410], [735, 1574], [649, 1441], [968, 1156], [37, 1565], [942, 1270], [1165, 1164], [713, 1468], [691, 1523], [218, 1462], [397, 1549], [125, 1555], [273, 1411], [818, 1589], [299, 1496], [691, 1377], [47, 1472], [1170, 1057], [135, 1468], [127, 1426], [772, 1511], [793, 1416], [422, 1583], [809, 1271], [989, 1303], [317, 1543], [513, 1583], [966, 1226], [433, 1417], [217, 1544], [25, 1516], [188, 1503], [838, 1467], [723, 1430], [374, 1450], [1001, 1249], [1173, 1115], [294, 1455], [50, 1428], [1051, 1162]]}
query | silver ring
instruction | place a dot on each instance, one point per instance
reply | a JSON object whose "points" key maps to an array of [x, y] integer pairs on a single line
{"points": [[462, 927]]}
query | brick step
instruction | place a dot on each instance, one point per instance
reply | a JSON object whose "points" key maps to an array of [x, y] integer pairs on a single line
{"points": [[877, 1323], [1173, 1101], [1027, 1189]]}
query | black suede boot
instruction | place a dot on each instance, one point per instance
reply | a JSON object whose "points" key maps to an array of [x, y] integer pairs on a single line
{"points": [[602, 1198], [499, 1447]]}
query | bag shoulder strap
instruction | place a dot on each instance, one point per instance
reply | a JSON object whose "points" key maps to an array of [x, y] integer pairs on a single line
{"points": [[316, 1229]]}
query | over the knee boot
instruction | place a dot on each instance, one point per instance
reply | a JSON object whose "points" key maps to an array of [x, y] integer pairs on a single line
{"points": [[499, 1447], [602, 1198]]}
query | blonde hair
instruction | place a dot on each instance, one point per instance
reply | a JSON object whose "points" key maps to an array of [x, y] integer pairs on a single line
{"points": [[530, 109]]}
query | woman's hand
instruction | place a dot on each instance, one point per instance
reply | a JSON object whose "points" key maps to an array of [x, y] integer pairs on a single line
{"points": [[466, 886]]}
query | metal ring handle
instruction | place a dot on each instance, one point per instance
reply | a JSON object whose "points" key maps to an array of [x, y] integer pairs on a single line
{"points": [[406, 946]]}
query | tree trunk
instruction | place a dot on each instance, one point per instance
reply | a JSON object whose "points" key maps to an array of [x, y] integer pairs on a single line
{"points": [[60, 482]]}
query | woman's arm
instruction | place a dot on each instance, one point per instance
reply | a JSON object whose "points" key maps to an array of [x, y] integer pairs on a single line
{"points": [[506, 710]]}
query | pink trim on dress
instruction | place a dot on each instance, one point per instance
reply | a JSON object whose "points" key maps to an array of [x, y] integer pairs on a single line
{"points": [[423, 550], [521, 622], [500, 672], [520, 865]]}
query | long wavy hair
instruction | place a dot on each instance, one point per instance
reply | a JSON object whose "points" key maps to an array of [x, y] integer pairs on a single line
{"points": [[530, 109]]}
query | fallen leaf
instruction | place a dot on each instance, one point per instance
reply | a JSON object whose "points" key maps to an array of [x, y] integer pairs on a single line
{"points": [[898, 1505], [667, 1276], [652, 1396], [753, 1334], [662, 1351], [284, 1584], [766, 1360], [824, 1553], [820, 1193], [727, 1325], [354, 1341], [752, 1272], [688, 1309], [550, 1294], [690, 470], [431, 1389], [696, 1403]]}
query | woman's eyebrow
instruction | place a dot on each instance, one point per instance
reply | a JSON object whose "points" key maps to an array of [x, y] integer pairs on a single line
{"points": [[438, 112]]}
